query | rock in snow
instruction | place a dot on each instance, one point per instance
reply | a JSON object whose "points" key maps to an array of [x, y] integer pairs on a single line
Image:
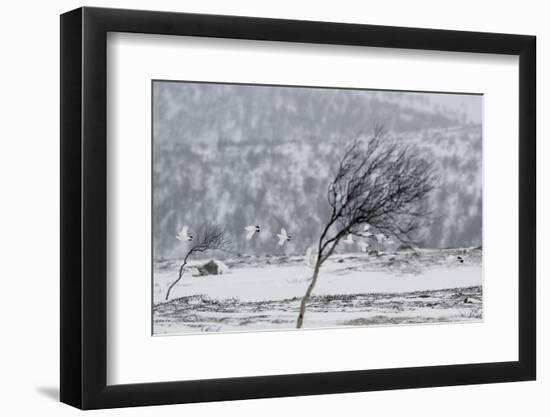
{"points": [[212, 267]]}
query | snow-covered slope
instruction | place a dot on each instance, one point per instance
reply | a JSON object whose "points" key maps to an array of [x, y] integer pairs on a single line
{"points": [[402, 287], [240, 155], [284, 184]]}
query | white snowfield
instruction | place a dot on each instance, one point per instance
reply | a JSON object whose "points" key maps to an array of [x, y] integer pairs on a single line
{"points": [[264, 293], [278, 282]]}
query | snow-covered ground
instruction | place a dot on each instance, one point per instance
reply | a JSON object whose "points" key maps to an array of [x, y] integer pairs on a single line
{"points": [[264, 293]]}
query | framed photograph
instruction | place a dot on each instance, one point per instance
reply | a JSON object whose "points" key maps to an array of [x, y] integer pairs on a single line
{"points": [[257, 208]]}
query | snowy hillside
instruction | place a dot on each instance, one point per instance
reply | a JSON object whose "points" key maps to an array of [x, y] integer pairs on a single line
{"points": [[244, 154], [284, 184]]}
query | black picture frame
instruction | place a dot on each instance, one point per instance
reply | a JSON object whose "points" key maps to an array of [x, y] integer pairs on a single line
{"points": [[84, 207]]}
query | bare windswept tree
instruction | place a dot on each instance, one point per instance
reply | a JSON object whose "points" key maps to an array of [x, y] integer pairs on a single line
{"points": [[210, 237], [379, 182]]}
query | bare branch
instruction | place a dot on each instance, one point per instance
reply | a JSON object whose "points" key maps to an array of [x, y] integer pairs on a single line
{"points": [[210, 237], [380, 182]]}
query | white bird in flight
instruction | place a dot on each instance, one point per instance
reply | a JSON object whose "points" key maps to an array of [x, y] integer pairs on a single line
{"points": [[310, 258], [183, 236], [251, 230], [348, 240], [366, 232], [453, 260], [283, 237], [363, 245]]}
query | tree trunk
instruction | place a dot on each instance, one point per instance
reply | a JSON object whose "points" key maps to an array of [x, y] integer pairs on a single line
{"points": [[305, 299], [176, 281]]}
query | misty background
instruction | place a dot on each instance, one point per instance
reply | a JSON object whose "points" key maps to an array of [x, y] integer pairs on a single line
{"points": [[242, 155]]}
